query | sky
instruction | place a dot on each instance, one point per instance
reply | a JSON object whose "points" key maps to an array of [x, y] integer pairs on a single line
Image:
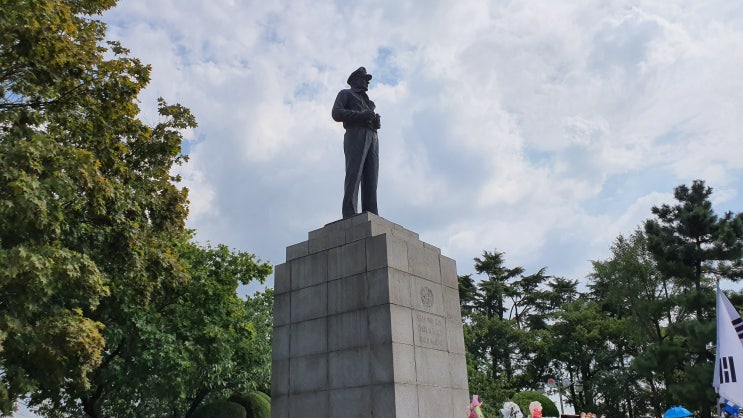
{"points": [[541, 129]]}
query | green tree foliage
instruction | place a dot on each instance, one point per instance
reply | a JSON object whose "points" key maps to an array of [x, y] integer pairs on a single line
{"points": [[506, 326], [583, 348], [502, 337], [691, 246], [638, 341], [200, 342], [647, 322], [631, 291], [107, 309], [197, 344], [489, 337], [88, 207], [260, 315]]}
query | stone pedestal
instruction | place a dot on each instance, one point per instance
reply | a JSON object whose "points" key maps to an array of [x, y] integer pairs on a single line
{"points": [[367, 324]]}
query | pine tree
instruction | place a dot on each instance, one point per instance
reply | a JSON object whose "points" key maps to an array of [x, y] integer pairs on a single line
{"points": [[692, 246]]}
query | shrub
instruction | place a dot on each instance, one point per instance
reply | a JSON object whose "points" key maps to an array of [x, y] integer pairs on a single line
{"points": [[257, 404], [221, 409], [523, 399]]}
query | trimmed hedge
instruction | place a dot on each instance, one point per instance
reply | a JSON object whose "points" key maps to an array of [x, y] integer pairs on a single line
{"points": [[221, 409], [257, 404], [523, 399]]}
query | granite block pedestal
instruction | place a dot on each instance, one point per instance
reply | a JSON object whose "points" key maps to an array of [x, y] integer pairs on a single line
{"points": [[367, 324]]}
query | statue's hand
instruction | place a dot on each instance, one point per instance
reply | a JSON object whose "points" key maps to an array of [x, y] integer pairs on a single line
{"points": [[367, 115], [377, 121]]}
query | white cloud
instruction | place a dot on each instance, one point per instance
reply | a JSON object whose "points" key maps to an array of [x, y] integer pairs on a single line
{"points": [[542, 129]]}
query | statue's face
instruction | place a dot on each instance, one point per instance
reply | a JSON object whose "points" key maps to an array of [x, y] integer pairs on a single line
{"points": [[360, 82]]}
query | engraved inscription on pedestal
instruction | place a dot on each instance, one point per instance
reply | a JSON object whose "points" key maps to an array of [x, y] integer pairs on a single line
{"points": [[429, 330]]}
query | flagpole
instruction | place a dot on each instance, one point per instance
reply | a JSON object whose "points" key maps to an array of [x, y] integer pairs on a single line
{"points": [[717, 329]]}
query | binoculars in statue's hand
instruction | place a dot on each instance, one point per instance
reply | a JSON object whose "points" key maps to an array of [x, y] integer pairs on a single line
{"points": [[376, 122]]}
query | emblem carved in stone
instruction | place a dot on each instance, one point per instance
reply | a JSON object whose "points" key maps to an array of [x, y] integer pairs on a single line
{"points": [[427, 297]]}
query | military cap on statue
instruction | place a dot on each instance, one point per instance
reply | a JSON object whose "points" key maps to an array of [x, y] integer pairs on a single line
{"points": [[360, 72]]}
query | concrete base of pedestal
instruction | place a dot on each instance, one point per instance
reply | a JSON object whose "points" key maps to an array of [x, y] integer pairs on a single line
{"points": [[367, 324]]}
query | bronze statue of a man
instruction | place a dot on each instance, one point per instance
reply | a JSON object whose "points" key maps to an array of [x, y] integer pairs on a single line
{"points": [[360, 143]]}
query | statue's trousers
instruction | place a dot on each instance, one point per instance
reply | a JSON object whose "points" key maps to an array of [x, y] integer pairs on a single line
{"points": [[361, 147]]}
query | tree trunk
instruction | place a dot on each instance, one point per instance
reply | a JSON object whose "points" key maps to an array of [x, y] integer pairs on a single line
{"points": [[92, 406], [196, 402]]}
